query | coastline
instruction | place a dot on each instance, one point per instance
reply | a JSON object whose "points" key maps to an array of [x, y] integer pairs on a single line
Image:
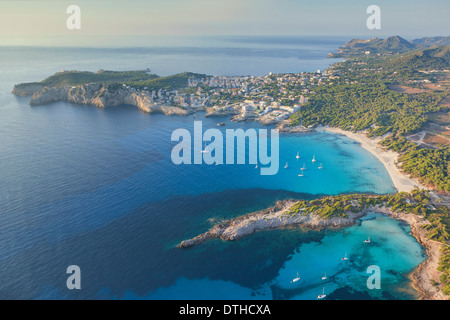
{"points": [[427, 271], [278, 216], [388, 158]]}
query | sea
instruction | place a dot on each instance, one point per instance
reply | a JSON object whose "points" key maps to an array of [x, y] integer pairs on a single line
{"points": [[97, 188]]}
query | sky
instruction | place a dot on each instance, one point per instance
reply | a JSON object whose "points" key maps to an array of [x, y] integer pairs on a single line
{"points": [[127, 22]]}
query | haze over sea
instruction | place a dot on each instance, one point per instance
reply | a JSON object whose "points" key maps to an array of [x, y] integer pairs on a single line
{"points": [[97, 188]]}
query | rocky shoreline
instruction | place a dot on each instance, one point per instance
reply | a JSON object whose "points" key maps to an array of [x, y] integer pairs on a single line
{"points": [[275, 217], [279, 216], [94, 94], [103, 96]]}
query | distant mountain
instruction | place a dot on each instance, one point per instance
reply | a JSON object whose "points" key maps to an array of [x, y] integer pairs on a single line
{"points": [[434, 58], [391, 45], [432, 41], [394, 44]]}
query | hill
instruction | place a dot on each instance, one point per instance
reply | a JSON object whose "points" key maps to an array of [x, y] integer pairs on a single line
{"points": [[432, 41], [355, 47], [74, 78], [112, 79], [388, 46], [434, 58]]}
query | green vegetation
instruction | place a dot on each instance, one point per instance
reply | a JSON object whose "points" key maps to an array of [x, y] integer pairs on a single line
{"points": [[361, 100], [376, 45], [428, 59], [374, 107], [430, 166], [417, 202], [172, 82], [73, 78], [136, 79]]}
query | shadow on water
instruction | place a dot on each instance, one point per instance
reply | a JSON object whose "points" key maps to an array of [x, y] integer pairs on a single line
{"points": [[137, 251]]}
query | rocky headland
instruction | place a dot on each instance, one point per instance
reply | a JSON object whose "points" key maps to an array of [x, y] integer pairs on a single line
{"points": [[99, 95], [278, 216], [281, 216]]}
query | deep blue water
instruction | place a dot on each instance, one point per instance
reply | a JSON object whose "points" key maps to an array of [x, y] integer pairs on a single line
{"points": [[97, 188]]}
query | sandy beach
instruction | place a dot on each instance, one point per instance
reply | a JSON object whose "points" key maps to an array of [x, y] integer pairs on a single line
{"points": [[276, 217], [401, 181], [423, 275]]}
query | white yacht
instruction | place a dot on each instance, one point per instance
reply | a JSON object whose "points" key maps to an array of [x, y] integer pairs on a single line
{"points": [[296, 279], [324, 277], [323, 295]]}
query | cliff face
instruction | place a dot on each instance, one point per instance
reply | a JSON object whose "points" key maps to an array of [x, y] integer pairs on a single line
{"points": [[26, 89], [93, 94]]}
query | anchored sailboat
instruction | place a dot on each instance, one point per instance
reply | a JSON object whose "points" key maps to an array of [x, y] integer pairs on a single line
{"points": [[314, 158], [367, 241], [298, 155], [345, 257], [296, 279], [286, 165], [320, 167], [323, 295], [324, 277]]}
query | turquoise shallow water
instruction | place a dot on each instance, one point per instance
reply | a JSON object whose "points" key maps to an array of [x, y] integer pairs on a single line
{"points": [[392, 249], [96, 188]]}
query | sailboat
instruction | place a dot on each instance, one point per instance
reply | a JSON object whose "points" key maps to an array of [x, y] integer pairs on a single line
{"points": [[298, 155], [323, 295], [301, 174], [320, 167], [303, 168], [256, 167], [345, 257], [205, 150], [286, 165], [314, 158], [296, 279], [324, 277], [367, 241]]}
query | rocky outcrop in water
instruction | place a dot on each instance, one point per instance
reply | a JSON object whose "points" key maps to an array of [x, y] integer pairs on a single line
{"points": [[278, 216]]}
